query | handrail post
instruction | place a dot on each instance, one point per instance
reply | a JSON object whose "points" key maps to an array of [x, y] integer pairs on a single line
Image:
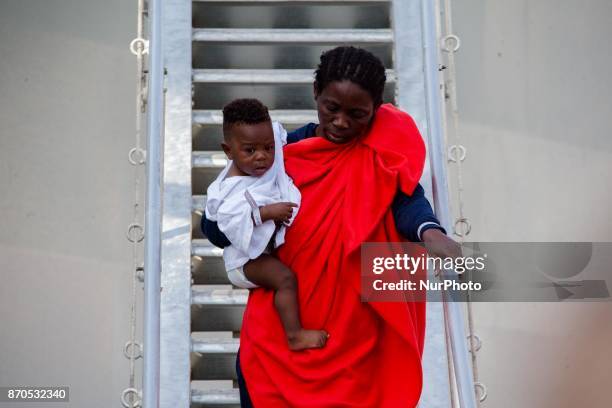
{"points": [[437, 153], [152, 259]]}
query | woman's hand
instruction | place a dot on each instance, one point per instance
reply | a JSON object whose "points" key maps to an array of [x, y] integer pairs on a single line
{"points": [[281, 212], [438, 244]]}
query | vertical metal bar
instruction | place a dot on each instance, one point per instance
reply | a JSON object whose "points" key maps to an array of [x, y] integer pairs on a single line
{"points": [[452, 312], [409, 65], [153, 212], [175, 339], [461, 360]]}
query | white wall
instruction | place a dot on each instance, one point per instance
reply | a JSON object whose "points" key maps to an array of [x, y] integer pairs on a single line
{"points": [[67, 97], [534, 101]]}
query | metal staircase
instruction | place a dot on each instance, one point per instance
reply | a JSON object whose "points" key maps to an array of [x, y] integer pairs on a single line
{"points": [[216, 51], [272, 78]]}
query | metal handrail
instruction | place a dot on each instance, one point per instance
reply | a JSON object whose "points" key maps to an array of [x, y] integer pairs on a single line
{"points": [[152, 262], [452, 312]]}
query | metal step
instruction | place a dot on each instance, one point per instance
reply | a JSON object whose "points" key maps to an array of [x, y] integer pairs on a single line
{"points": [[219, 295], [293, 36], [215, 345], [261, 76], [286, 117], [203, 248], [294, 1], [228, 396], [213, 159], [252, 76], [198, 203]]}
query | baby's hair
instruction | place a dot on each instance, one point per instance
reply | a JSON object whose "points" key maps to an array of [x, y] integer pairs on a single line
{"points": [[243, 112], [354, 64]]}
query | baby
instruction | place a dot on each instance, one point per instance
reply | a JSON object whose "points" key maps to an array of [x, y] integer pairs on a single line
{"points": [[253, 201]]}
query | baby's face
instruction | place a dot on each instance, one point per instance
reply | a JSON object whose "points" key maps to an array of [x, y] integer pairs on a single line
{"points": [[251, 147]]}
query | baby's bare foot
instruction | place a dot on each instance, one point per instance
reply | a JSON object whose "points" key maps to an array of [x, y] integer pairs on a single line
{"points": [[305, 339]]}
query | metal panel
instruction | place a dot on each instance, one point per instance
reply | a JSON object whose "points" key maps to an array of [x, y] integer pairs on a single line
{"points": [[409, 66], [216, 318], [176, 233], [202, 177], [214, 367], [208, 271]]}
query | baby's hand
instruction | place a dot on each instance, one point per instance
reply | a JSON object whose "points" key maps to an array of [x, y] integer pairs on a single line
{"points": [[278, 211]]}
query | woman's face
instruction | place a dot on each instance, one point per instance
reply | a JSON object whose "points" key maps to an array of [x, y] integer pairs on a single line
{"points": [[345, 111]]}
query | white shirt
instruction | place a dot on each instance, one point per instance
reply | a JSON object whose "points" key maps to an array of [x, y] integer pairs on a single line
{"points": [[228, 206]]}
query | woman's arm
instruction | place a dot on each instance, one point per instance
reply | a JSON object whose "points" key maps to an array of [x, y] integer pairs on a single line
{"points": [[212, 232], [277, 212], [415, 220], [413, 214]]}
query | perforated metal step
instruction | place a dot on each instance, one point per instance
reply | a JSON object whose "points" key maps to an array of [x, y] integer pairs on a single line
{"points": [[218, 295], [215, 397], [286, 117], [261, 76], [209, 159], [218, 345], [311, 2], [198, 203], [293, 36], [203, 248]]}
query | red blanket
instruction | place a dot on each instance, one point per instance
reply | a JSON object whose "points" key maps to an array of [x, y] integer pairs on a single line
{"points": [[373, 356]]}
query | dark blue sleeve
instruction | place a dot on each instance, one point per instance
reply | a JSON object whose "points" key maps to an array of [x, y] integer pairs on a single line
{"points": [[212, 232], [301, 133], [410, 212]]}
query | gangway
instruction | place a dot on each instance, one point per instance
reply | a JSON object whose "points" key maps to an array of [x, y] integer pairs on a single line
{"points": [[215, 51]]}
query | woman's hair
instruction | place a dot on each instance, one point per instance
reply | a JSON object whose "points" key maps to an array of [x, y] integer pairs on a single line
{"points": [[244, 112], [354, 64]]}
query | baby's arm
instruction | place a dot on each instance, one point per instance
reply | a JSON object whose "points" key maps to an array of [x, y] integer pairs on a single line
{"points": [[277, 211]]}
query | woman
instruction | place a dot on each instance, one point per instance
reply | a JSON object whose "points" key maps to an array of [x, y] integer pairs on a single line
{"points": [[358, 173]]}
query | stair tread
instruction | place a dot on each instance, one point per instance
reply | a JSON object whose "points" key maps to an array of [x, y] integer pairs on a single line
{"points": [[208, 159], [204, 248], [294, 35], [292, 1], [215, 396], [198, 202], [254, 75], [290, 117], [215, 345], [218, 295], [262, 76]]}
